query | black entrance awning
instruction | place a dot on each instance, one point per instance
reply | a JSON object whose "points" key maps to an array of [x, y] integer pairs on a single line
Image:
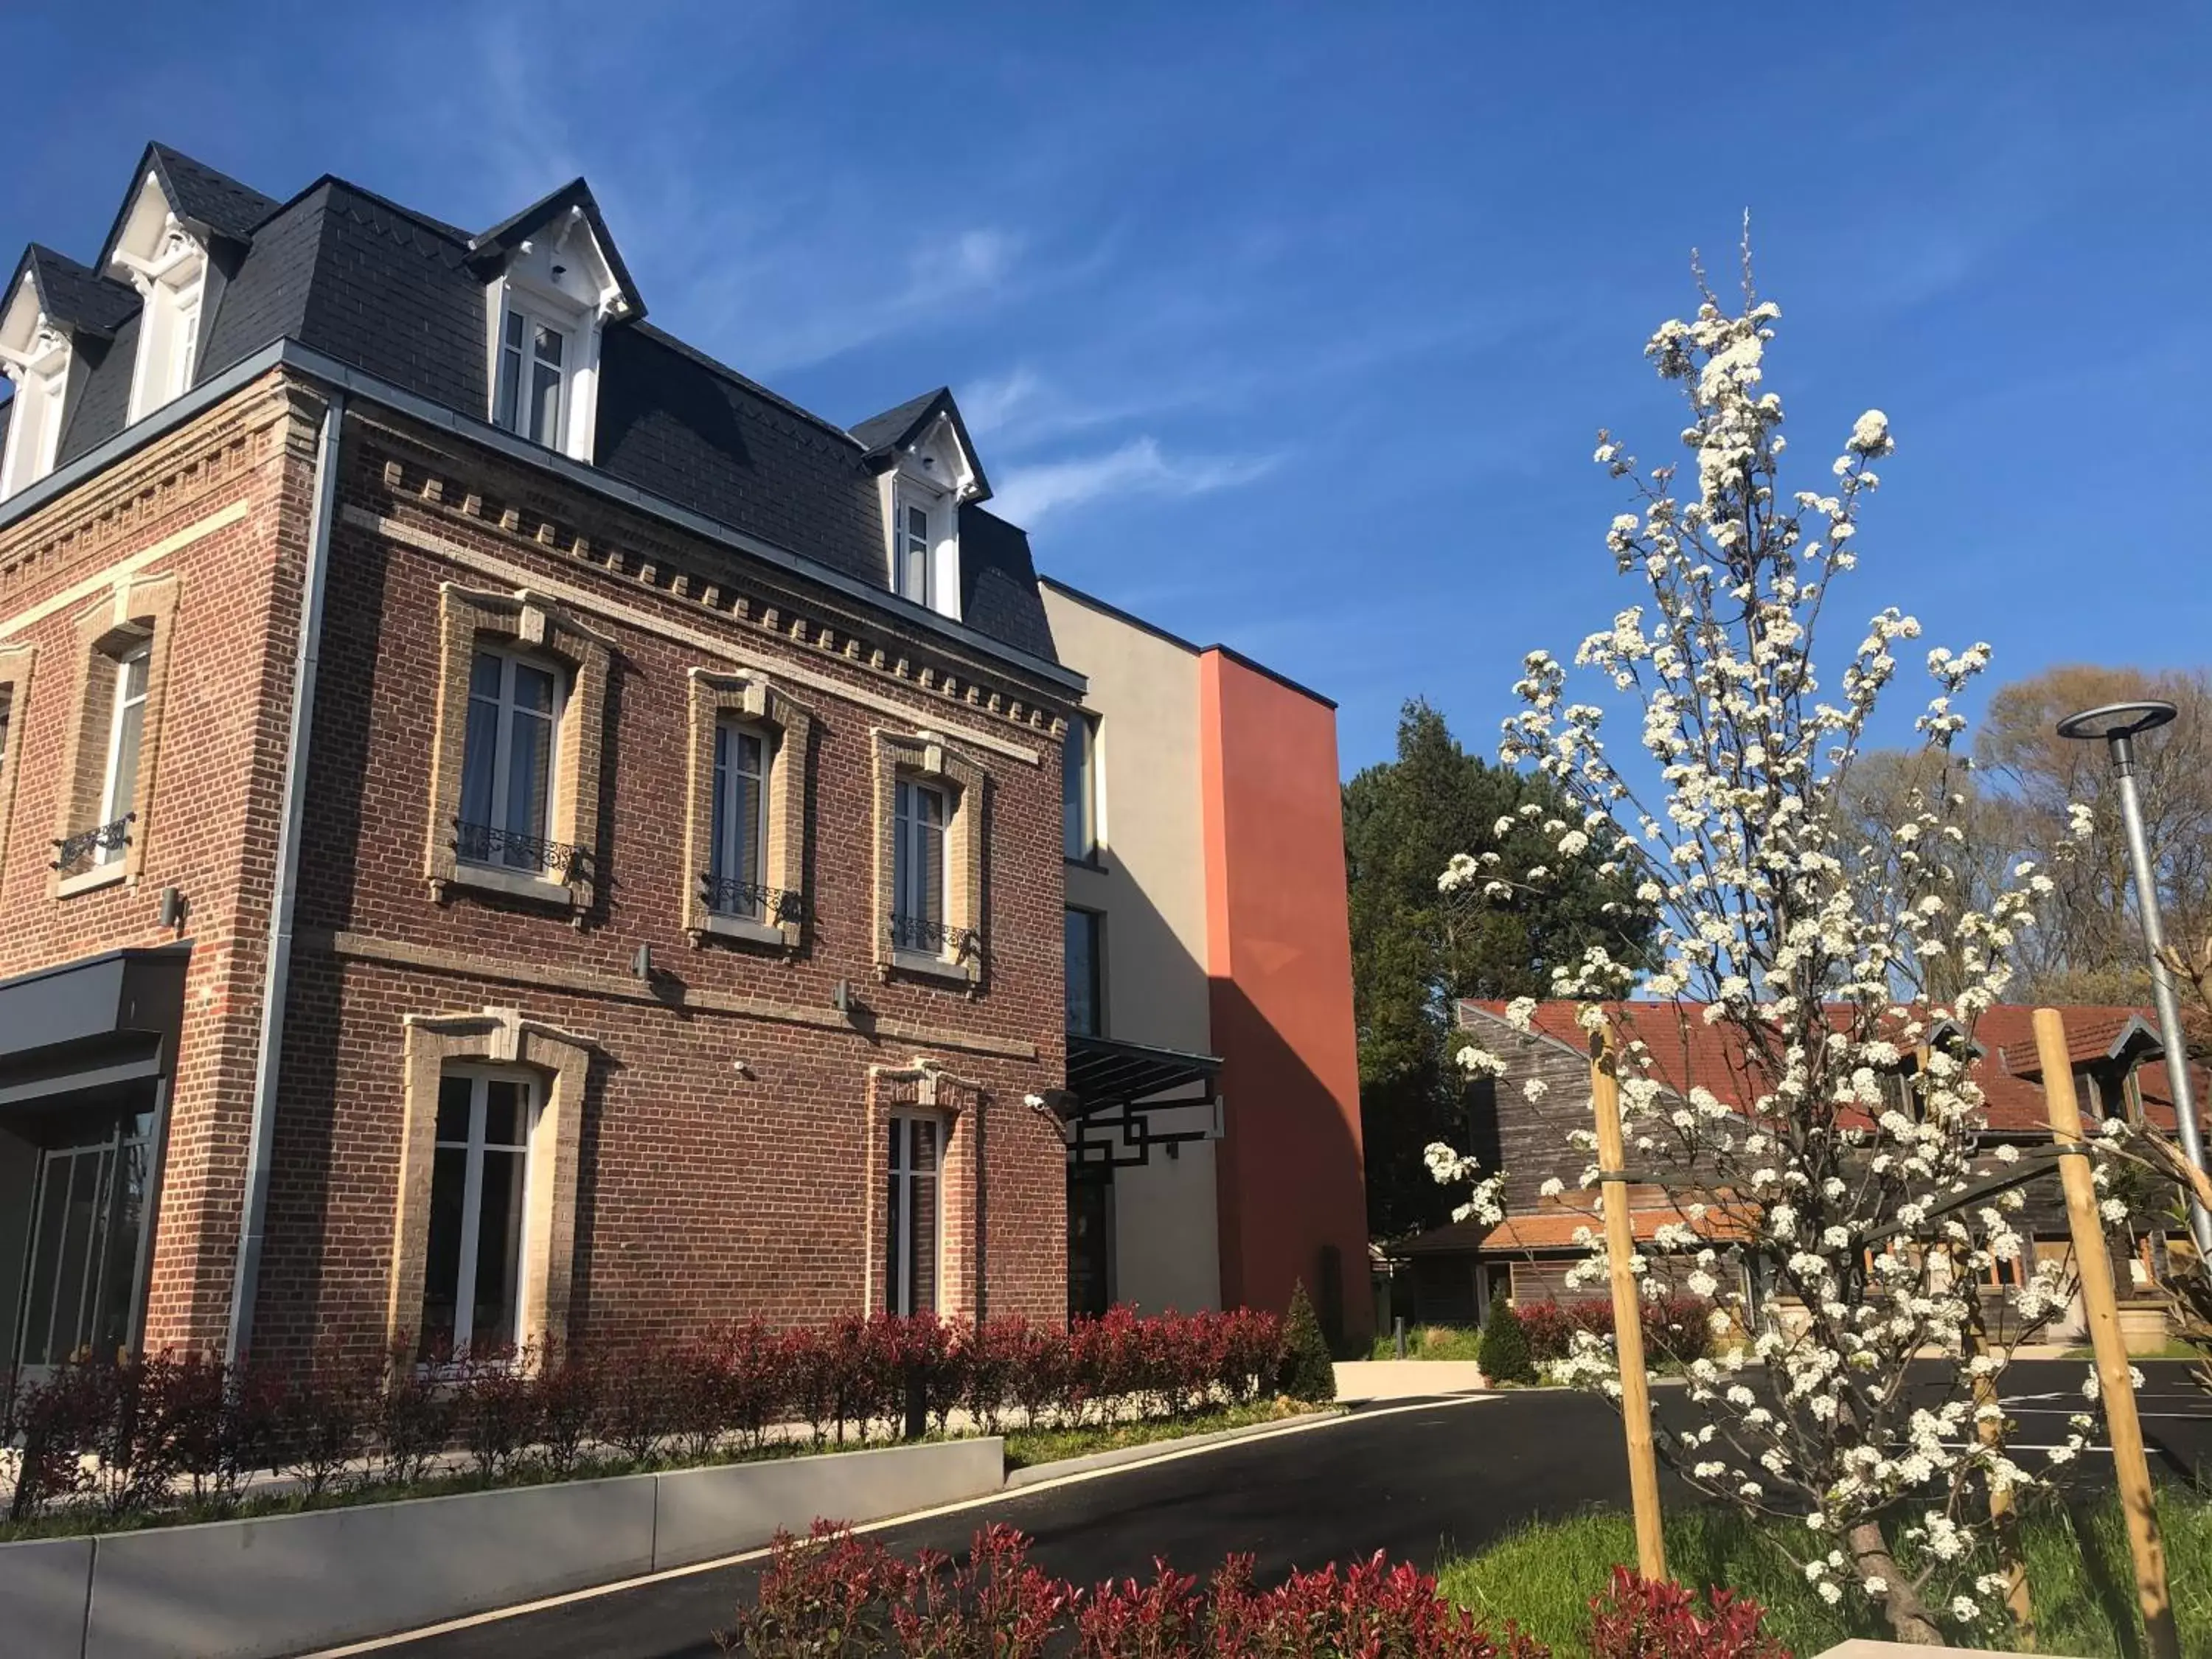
{"points": [[1103, 1072], [1114, 1091], [105, 1020]]}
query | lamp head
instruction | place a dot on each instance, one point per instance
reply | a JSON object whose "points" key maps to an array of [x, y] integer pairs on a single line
{"points": [[2118, 719]]}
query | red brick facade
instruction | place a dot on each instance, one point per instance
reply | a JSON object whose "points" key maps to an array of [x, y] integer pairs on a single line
{"points": [[727, 1143]]}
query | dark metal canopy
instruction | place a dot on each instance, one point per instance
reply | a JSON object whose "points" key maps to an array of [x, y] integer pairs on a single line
{"points": [[1114, 1089], [1103, 1073]]}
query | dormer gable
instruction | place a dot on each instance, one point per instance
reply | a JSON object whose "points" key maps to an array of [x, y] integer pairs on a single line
{"points": [[927, 471], [554, 282], [50, 304], [164, 256]]}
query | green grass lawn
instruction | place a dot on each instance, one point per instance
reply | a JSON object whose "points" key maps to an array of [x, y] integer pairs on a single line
{"points": [[1025, 1446], [1432, 1342], [2078, 1569]]}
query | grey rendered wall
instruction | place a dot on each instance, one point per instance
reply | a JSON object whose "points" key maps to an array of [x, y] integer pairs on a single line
{"points": [[286, 1584]]}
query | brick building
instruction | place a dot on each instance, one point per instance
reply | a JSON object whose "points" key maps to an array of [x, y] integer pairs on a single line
{"points": [[510, 831], [1455, 1270]]}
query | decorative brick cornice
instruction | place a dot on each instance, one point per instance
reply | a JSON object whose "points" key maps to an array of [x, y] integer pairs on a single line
{"points": [[435, 484], [475, 965], [117, 506]]}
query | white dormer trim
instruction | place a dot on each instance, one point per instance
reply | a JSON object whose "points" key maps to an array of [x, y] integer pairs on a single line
{"points": [[34, 354], [933, 477], [162, 257], [559, 279]]}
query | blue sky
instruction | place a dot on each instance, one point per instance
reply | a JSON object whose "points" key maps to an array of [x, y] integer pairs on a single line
{"points": [[1290, 326]]}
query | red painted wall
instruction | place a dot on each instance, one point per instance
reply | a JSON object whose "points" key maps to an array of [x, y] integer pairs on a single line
{"points": [[1289, 1174]]}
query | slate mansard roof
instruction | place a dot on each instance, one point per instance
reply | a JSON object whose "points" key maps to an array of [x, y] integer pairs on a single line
{"points": [[400, 296]]}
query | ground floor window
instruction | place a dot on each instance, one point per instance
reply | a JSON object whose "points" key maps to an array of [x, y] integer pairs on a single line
{"points": [[472, 1283], [86, 1176], [911, 1214]]}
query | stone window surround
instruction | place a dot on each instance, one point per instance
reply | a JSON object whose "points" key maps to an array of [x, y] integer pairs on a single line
{"points": [[790, 728], [16, 662], [141, 611], [466, 615], [926, 755], [562, 1060], [925, 1087]]}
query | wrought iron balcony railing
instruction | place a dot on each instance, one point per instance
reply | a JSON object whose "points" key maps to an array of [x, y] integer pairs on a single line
{"points": [[750, 900], [510, 849], [935, 938], [73, 852]]}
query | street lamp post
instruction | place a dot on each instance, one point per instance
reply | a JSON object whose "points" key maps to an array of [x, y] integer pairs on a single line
{"points": [[2119, 724]]}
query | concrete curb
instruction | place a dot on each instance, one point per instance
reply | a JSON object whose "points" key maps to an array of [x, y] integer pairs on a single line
{"points": [[1030, 1474]]}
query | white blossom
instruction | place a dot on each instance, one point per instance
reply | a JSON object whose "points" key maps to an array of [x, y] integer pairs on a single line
{"points": [[1776, 944]]}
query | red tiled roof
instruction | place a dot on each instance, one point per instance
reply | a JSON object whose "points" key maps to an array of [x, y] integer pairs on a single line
{"points": [[1555, 1229], [1687, 1052]]}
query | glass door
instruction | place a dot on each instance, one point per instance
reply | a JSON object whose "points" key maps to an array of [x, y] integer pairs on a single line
{"points": [[87, 1209]]}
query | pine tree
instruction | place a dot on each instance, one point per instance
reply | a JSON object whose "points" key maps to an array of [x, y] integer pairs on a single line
{"points": [[1416, 950], [1503, 1352], [1308, 1373]]}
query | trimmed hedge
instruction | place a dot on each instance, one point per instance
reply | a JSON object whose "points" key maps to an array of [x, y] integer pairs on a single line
{"points": [[1675, 1327], [164, 1431], [1504, 1354]]}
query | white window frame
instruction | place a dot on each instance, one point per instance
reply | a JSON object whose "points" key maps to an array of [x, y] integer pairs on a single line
{"points": [[911, 502], [898, 1276], [910, 856], [117, 794], [34, 427], [1083, 733], [170, 291], [502, 744], [514, 310], [475, 1146], [725, 815]]}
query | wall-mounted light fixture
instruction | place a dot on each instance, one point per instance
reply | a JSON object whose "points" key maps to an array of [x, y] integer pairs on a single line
{"points": [[173, 907], [641, 963], [841, 998]]}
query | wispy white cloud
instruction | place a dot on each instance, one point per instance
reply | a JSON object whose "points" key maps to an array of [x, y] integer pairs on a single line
{"points": [[1030, 494], [988, 405]]}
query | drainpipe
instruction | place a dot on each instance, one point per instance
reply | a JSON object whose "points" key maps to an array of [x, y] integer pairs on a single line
{"points": [[253, 1222]]}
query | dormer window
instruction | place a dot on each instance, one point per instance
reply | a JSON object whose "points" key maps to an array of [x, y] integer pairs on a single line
{"points": [[917, 548], [162, 257], [39, 368], [926, 471], [554, 284], [533, 358]]}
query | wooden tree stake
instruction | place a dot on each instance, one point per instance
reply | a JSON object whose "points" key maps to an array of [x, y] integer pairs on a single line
{"points": [[1627, 1312], [2004, 1518], [2115, 1388]]}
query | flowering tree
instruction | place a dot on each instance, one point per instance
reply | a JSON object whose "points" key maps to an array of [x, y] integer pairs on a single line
{"points": [[1834, 1145]]}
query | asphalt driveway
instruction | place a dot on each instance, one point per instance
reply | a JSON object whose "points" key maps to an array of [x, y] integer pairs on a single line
{"points": [[1415, 1481]]}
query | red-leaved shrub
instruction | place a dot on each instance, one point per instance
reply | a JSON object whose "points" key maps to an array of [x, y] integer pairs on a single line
{"points": [[130, 1435], [1677, 1327], [831, 1594], [1637, 1618]]}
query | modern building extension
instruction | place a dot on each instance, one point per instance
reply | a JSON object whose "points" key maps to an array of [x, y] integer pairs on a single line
{"points": [[1209, 980], [511, 832]]}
